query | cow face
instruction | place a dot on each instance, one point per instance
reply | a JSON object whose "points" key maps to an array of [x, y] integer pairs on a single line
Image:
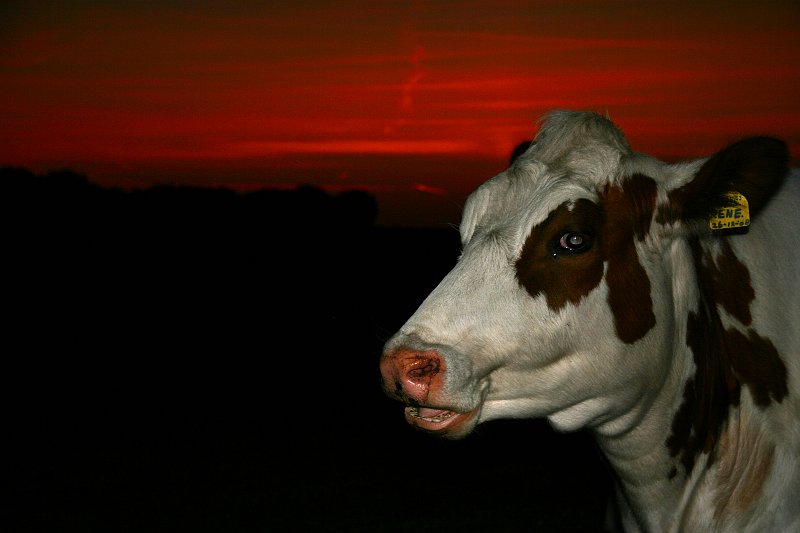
{"points": [[562, 303]]}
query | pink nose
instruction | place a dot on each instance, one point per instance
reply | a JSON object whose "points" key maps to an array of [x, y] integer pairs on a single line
{"points": [[411, 376]]}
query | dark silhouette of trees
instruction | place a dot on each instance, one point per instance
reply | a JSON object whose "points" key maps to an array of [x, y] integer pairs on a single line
{"points": [[64, 217]]}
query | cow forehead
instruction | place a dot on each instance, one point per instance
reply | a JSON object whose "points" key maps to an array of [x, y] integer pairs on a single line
{"points": [[520, 198], [574, 157]]}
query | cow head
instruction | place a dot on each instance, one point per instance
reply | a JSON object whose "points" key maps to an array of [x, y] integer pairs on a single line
{"points": [[573, 282]]}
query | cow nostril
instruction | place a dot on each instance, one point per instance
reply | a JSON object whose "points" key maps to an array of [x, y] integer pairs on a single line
{"points": [[422, 367], [409, 375], [420, 372]]}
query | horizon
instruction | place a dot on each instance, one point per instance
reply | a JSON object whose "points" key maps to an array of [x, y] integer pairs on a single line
{"points": [[416, 104]]}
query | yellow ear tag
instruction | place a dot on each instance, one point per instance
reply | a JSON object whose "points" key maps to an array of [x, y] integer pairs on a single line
{"points": [[735, 213]]}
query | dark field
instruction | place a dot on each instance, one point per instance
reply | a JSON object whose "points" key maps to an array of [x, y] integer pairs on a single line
{"points": [[196, 360]]}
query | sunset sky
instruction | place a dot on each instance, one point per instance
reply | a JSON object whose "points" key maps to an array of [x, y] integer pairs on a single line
{"points": [[415, 102]]}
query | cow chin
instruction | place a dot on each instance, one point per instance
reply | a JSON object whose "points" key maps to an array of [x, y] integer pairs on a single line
{"points": [[441, 422]]}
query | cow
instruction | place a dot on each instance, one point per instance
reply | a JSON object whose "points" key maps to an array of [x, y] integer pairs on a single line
{"points": [[656, 305]]}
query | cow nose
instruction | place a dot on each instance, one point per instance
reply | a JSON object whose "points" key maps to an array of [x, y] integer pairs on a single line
{"points": [[410, 375]]}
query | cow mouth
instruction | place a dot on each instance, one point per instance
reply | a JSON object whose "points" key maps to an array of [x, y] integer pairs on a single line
{"points": [[439, 421]]}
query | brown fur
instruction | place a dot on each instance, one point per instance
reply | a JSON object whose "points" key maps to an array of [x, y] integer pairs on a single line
{"points": [[731, 284], [562, 277], [725, 359], [629, 211], [623, 217]]}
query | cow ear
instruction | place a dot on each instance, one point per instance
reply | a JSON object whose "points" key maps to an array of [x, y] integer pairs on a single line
{"points": [[753, 167]]}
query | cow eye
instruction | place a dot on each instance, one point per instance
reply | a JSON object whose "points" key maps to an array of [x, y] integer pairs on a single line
{"points": [[574, 242]]}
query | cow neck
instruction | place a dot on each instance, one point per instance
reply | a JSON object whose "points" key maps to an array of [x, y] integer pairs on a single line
{"points": [[727, 358], [650, 495], [648, 471], [693, 427]]}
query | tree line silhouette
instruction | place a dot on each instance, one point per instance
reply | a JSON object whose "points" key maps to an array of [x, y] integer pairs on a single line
{"points": [[68, 198]]}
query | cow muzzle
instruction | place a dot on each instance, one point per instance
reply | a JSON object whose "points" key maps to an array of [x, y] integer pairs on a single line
{"points": [[417, 378]]}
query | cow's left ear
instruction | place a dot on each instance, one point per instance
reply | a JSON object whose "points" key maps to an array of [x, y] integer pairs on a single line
{"points": [[754, 167]]}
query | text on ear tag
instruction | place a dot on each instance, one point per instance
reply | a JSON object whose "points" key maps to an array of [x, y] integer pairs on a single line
{"points": [[734, 213]]}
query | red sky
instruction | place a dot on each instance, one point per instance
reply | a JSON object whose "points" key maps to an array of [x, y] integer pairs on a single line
{"points": [[416, 102]]}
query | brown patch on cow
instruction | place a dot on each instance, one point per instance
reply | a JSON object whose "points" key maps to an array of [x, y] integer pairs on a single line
{"points": [[743, 466], [707, 396], [629, 212], [632, 204], [731, 285], [725, 360], [623, 216], [562, 277], [756, 363]]}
